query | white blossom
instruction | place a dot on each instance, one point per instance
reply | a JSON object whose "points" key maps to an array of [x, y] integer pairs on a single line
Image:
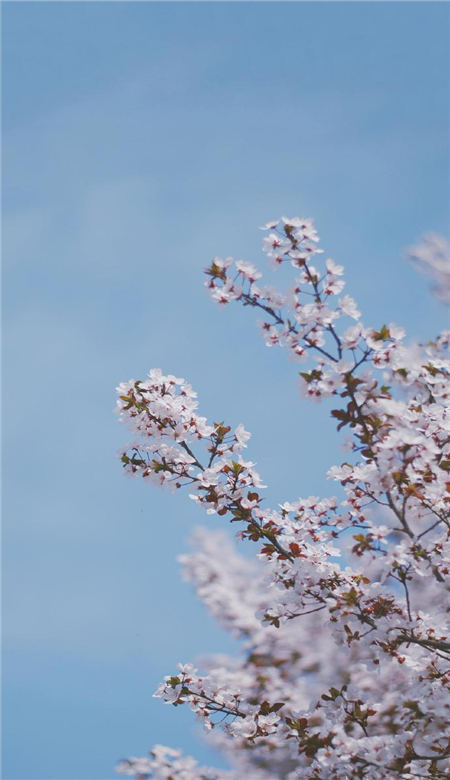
{"points": [[342, 614]]}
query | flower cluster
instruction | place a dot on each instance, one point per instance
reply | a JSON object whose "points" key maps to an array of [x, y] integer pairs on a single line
{"points": [[161, 412], [164, 762], [344, 614], [431, 258]]}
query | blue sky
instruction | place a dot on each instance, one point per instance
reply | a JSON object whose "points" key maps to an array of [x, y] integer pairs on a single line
{"points": [[140, 140]]}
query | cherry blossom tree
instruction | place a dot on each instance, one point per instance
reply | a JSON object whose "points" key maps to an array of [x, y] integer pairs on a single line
{"points": [[343, 615]]}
